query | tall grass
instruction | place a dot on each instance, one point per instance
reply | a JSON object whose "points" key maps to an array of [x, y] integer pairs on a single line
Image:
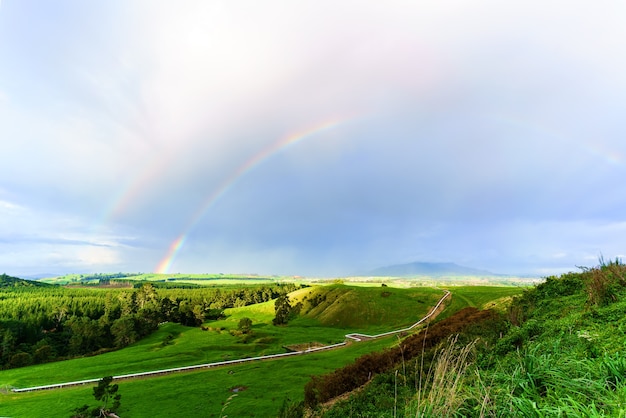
{"points": [[443, 383], [604, 282], [544, 381]]}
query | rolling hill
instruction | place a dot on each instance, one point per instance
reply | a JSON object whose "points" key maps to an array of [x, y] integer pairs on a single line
{"points": [[356, 307], [9, 281]]}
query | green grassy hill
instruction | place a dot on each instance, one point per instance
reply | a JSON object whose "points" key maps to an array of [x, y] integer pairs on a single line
{"points": [[559, 350], [8, 281], [266, 385], [365, 308], [482, 297]]}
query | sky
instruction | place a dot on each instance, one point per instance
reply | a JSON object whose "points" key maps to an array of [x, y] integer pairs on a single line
{"points": [[317, 138]]}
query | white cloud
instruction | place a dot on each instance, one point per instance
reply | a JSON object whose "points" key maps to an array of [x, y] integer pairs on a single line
{"points": [[9, 207], [34, 240]]}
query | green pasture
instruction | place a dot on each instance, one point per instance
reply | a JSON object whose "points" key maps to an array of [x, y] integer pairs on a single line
{"points": [[189, 346], [201, 279], [367, 309], [202, 393], [480, 297]]}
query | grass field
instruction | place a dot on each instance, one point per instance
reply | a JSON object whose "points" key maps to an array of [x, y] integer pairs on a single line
{"points": [[202, 279], [341, 309], [480, 297], [367, 309], [199, 394]]}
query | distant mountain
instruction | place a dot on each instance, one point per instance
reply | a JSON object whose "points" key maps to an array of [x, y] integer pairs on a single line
{"points": [[8, 281], [40, 276], [428, 269]]}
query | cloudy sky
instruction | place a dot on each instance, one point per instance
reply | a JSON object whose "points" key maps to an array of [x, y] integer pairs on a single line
{"points": [[311, 137]]}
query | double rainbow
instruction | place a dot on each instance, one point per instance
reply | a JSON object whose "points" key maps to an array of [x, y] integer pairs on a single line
{"points": [[176, 245]]}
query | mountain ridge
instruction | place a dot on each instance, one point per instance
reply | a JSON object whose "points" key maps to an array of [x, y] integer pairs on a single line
{"points": [[420, 268]]}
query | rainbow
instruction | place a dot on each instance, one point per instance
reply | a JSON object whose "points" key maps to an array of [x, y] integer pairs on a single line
{"points": [[592, 147], [176, 245], [613, 157], [131, 190]]}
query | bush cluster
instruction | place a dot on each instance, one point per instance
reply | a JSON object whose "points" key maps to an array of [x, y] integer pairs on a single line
{"points": [[321, 389]]}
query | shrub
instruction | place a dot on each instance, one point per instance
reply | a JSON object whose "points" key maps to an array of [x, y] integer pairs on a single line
{"points": [[245, 325], [604, 282], [20, 360], [291, 409]]}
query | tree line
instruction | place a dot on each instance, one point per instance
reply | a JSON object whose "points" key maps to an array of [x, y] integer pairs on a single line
{"points": [[39, 324]]}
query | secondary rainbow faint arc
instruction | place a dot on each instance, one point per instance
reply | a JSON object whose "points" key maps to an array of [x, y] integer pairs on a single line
{"points": [[130, 191], [241, 171], [613, 157]]}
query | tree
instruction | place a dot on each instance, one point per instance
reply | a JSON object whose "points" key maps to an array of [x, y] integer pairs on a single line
{"points": [[123, 331], [198, 314], [128, 303], [59, 315], [20, 359], [87, 336], [282, 307], [245, 325], [104, 393], [43, 352], [168, 310], [7, 345], [147, 297]]}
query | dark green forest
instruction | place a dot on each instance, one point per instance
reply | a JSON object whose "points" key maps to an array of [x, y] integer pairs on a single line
{"points": [[40, 323]]}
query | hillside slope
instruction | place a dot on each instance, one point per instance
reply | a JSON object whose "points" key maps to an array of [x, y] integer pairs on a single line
{"points": [[559, 350], [9, 281], [354, 307]]}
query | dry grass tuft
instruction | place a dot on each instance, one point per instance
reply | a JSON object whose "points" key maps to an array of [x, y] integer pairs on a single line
{"points": [[442, 395]]}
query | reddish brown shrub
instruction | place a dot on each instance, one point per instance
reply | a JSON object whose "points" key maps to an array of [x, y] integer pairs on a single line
{"points": [[324, 388]]}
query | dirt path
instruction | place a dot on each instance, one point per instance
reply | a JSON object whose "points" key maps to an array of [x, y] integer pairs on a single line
{"points": [[350, 338]]}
